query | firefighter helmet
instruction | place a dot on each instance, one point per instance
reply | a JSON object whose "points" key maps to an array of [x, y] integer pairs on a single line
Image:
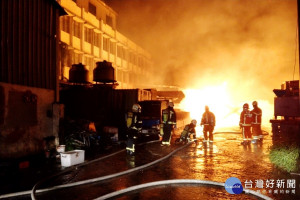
{"points": [[136, 108], [246, 106], [171, 104], [194, 122], [254, 103]]}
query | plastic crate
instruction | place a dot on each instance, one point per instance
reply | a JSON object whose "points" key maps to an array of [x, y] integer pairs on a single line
{"points": [[70, 158]]}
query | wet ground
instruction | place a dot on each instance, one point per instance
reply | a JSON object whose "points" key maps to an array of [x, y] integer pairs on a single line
{"points": [[217, 162]]}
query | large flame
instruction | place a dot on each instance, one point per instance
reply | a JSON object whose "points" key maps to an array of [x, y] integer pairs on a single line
{"points": [[219, 99]]}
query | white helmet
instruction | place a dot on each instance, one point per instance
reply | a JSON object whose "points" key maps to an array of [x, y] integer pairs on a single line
{"points": [[171, 104], [194, 122], [136, 108]]}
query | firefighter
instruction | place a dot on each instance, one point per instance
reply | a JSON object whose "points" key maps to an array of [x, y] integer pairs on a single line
{"points": [[256, 123], [168, 123], [134, 126], [208, 121], [188, 130], [245, 124]]}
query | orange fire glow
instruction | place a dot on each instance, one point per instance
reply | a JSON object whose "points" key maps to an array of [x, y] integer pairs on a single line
{"points": [[227, 110]]}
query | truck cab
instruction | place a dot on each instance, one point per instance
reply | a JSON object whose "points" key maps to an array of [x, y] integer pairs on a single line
{"points": [[151, 117]]}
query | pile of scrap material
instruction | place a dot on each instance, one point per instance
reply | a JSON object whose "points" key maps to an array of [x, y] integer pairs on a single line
{"points": [[175, 96]]}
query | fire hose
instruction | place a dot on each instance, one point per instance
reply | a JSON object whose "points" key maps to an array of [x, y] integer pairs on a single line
{"points": [[180, 182], [111, 176], [146, 185], [142, 186], [66, 170], [102, 178]]}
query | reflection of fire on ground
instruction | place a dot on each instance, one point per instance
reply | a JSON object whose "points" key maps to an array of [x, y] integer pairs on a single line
{"points": [[227, 110]]}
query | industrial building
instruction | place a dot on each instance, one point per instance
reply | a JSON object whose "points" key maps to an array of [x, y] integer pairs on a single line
{"points": [[88, 34], [40, 42], [29, 85]]}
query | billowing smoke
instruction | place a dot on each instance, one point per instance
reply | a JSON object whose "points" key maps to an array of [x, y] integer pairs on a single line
{"points": [[251, 45]]}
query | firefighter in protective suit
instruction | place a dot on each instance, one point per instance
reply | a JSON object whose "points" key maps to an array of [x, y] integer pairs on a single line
{"points": [[208, 121], [134, 126], [256, 123], [245, 124], [168, 123], [188, 130]]}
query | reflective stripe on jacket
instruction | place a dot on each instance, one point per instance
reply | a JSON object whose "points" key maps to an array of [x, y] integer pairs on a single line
{"points": [[133, 121], [256, 114], [245, 118], [169, 116], [208, 118]]}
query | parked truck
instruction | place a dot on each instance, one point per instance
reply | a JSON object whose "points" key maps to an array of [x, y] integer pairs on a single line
{"points": [[151, 117]]}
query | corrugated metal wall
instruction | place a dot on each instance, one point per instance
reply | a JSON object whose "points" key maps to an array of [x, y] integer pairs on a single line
{"points": [[28, 43]]}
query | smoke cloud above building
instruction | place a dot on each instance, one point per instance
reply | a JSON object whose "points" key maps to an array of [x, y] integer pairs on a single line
{"points": [[249, 44]]}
